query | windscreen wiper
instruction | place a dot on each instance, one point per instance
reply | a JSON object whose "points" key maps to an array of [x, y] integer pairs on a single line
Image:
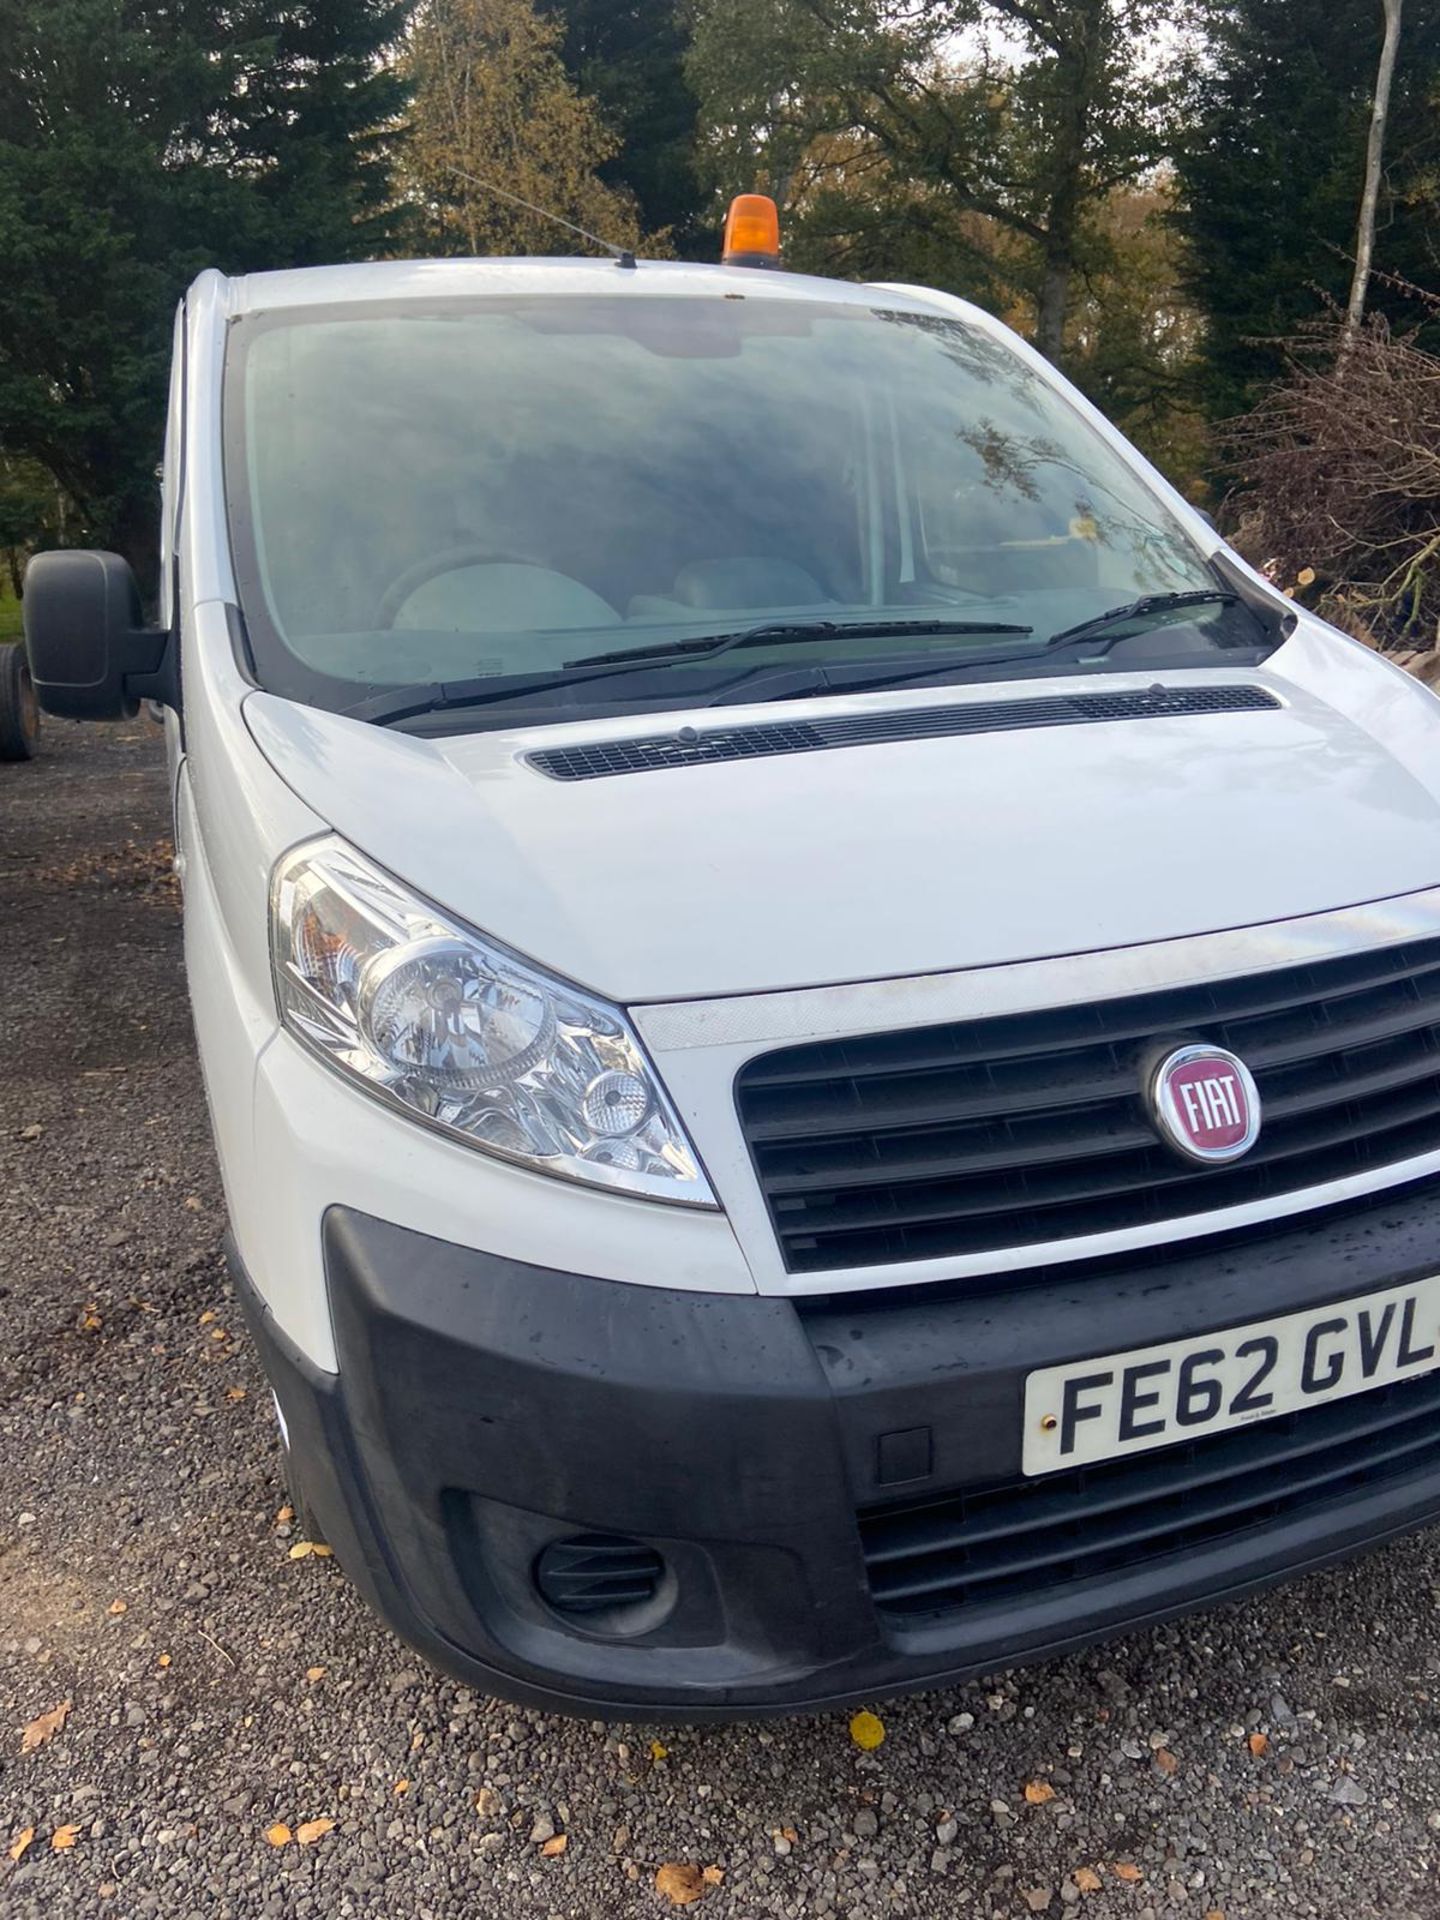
{"points": [[1151, 604], [710, 646], [445, 696]]}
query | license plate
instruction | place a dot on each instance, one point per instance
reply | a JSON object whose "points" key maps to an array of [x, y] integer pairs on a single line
{"points": [[1123, 1403]]}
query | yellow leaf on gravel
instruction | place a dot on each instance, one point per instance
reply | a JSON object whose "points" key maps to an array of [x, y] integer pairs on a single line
{"points": [[279, 1835], [314, 1673], [43, 1727], [163, 1661], [1087, 1880], [118, 1606], [312, 1830], [63, 1839], [401, 1786], [712, 1876], [20, 1842], [1127, 1870], [657, 1752], [234, 1393], [867, 1730], [320, 1550], [557, 1845], [284, 1516], [1259, 1745], [1038, 1792], [681, 1884], [206, 1317]]}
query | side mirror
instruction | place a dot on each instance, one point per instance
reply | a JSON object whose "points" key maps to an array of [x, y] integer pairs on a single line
{"points": [[91, 655]]}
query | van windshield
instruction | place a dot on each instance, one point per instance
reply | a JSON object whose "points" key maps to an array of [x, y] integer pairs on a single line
{"points": [[467, 491]]}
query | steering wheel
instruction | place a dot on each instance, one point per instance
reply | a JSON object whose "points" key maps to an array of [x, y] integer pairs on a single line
{"points": [[448, 560]]}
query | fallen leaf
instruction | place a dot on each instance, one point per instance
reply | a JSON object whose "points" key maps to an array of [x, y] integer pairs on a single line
{"points": [[1166, 1761], [20, 1842], [867, 1730], [712, 1876], [1037, 1792], [43, 1727], [680, 1883], [303, 1549], [192, 1201], [557, 1845], [284, 1516], [417, 1740], [63, 1839], [206, 1317], [657, 1752], [1087, 1879], [234, 1393], [1216, 1913], [311, 1830], [320, 1550], [314, 1673], [118, 1606], [1259, 1744], [1127, 1870], [401, 1786], [90, 1321], [789, 1833], [163, 1660], [279, 1835]]}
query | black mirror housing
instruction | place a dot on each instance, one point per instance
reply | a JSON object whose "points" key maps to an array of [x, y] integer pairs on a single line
{"points": [[91, 655]]}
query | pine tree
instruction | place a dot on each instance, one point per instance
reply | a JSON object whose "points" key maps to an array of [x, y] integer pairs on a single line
{"points": [[629, 57], [141, 140]]}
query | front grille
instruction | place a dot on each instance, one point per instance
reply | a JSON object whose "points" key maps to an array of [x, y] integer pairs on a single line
{"points": [[694, 747], [1032, 1127], [997, 1544]]}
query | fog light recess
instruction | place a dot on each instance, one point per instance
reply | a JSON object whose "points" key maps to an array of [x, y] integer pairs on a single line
{"points": [[600, 1579]]}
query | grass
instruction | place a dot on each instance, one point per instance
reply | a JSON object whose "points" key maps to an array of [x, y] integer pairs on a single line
{"points": [[9, 614]]}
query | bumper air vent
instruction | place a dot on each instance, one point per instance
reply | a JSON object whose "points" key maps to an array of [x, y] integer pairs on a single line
{"points": [[598, 1573]]}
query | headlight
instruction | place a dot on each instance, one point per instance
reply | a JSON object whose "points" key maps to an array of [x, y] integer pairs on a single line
{"points": [[467, 1037]]}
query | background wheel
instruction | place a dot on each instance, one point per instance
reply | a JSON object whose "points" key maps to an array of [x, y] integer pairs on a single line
{"points": [[19, 709]]}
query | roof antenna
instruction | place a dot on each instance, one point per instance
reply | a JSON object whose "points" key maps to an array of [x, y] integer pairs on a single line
{"points": [[622, 256]]}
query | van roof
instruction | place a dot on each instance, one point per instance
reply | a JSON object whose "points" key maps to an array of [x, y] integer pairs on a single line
{"points": [[441, 279]]}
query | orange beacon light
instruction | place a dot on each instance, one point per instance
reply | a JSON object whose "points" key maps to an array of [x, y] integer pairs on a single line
{"points": [[752, 232]]}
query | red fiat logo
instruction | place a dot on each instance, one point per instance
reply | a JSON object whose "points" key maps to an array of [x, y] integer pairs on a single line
{"points": [[1206, 1103]]}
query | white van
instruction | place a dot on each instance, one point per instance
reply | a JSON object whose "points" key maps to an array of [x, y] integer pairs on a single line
{"points": [[822, 1017]]}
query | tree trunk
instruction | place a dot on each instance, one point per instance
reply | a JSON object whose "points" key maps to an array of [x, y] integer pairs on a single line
{"points": [[1374, 155], [1054, 302]]}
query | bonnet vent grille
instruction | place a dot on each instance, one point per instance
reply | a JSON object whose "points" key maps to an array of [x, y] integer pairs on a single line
{"points": [[691, 747]]}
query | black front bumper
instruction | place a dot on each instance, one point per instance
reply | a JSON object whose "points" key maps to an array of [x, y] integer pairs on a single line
{"points": [[484, 1409]]}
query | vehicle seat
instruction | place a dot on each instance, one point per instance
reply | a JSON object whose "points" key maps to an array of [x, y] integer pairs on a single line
{"points": [[503, 596], [748, 581]]}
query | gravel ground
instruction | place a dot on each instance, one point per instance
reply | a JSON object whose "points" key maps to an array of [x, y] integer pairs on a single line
{"points": [[1281, 1756]]}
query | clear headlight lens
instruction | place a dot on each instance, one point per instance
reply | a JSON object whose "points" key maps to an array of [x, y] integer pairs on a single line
{"points": [[468, 1037]]}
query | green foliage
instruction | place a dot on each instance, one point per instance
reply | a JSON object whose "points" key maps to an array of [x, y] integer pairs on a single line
{"points": [[1029, 133], [629, 57], [491, 102], [1271, 169], [140, 141]]}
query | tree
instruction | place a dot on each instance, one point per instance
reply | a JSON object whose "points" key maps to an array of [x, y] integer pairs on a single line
{"points": [[141, 140], [629, 57], [1374, 153], [1270, 171], [1025, 113], [492, 102]]}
